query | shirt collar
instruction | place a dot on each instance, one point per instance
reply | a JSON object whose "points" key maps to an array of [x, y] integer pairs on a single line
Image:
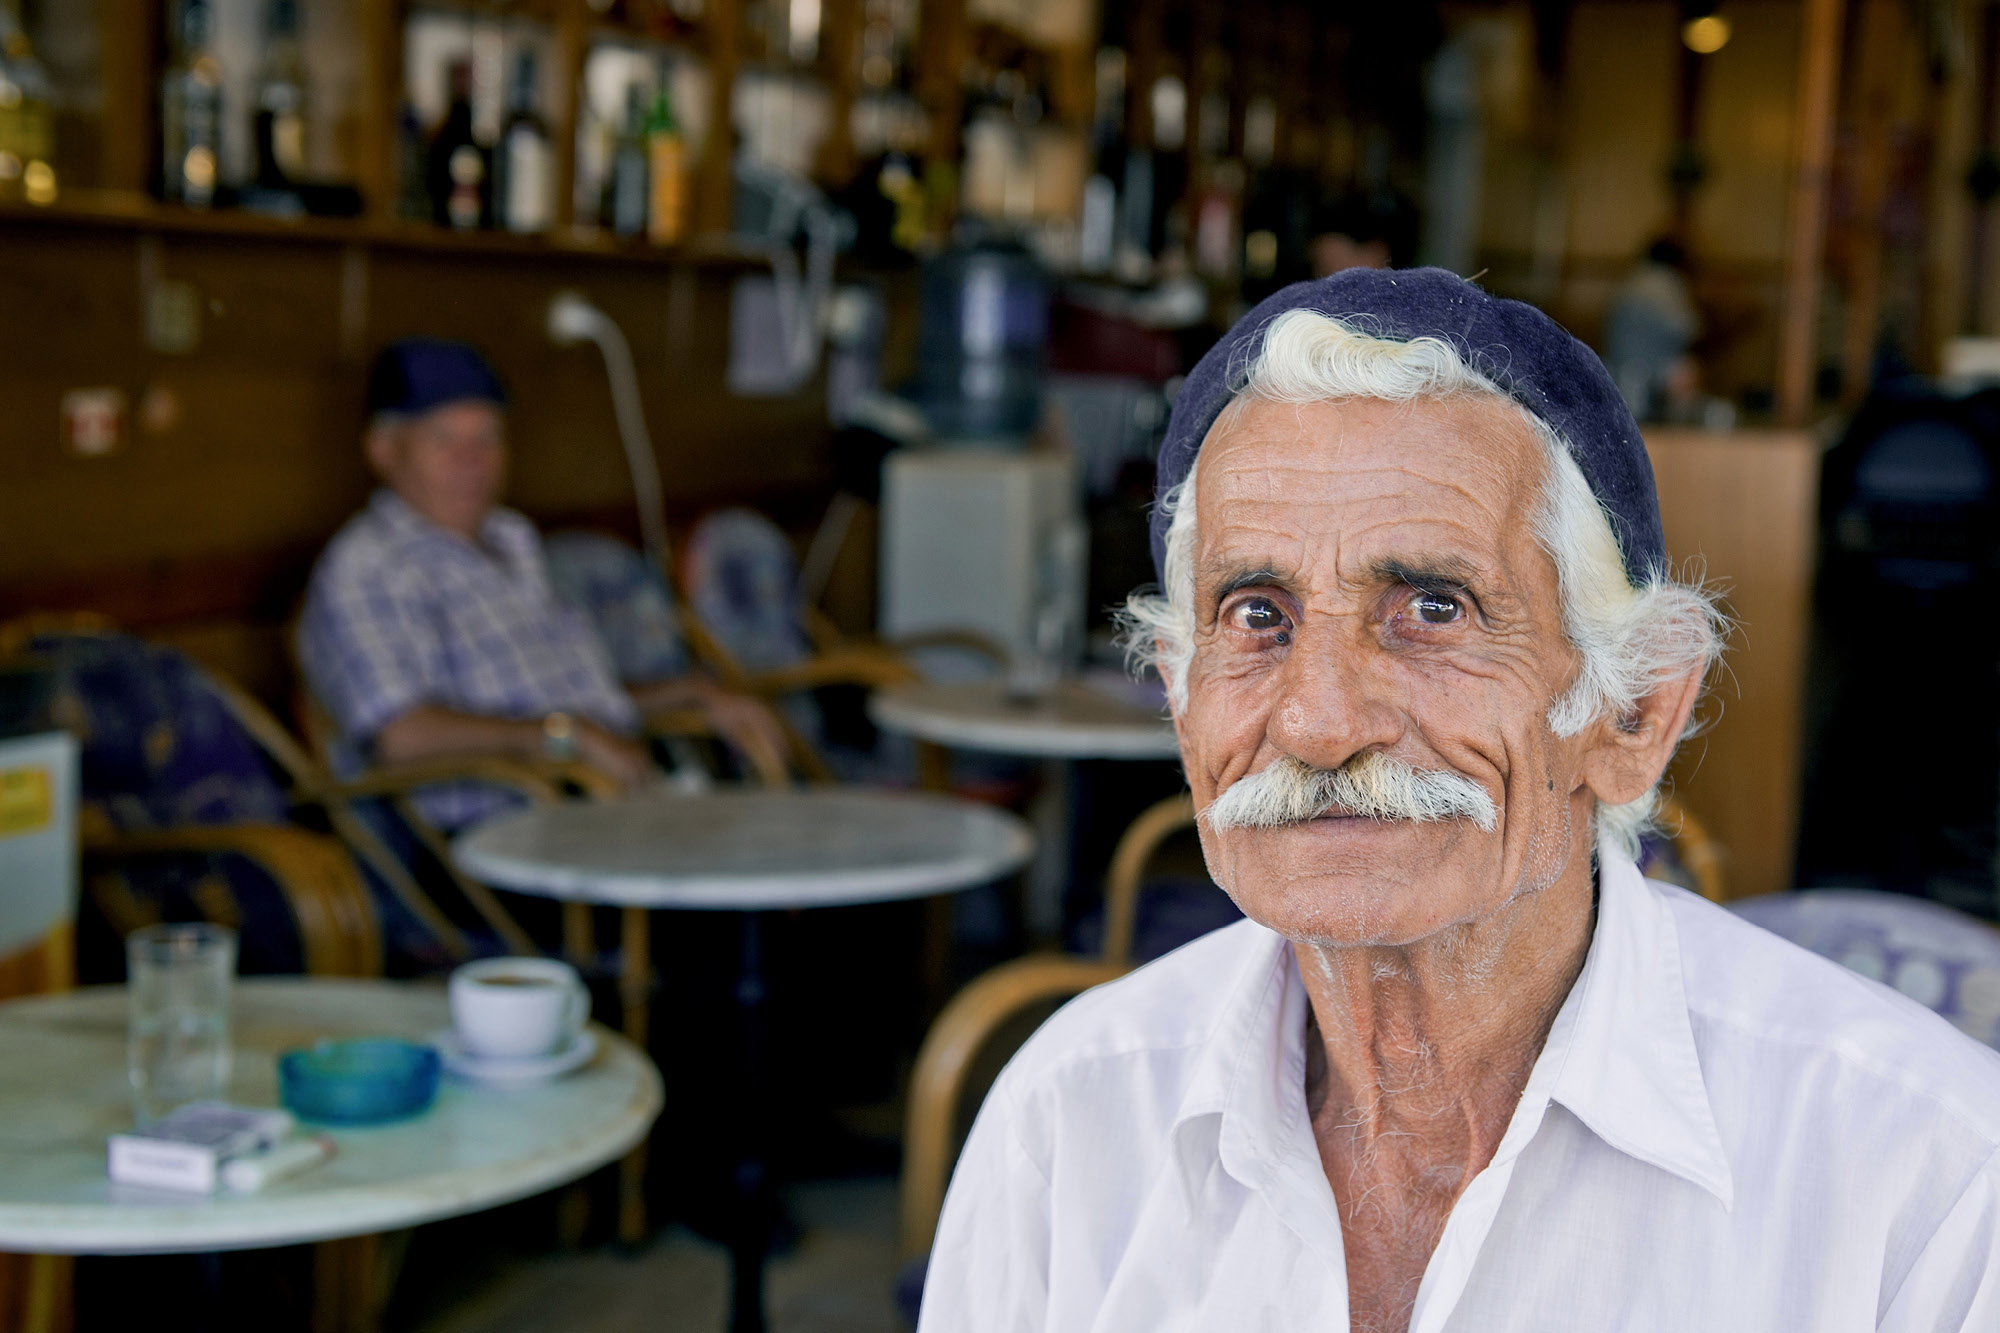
{"points": [[1620, 1057], [1631, 1072], [500, 531]]}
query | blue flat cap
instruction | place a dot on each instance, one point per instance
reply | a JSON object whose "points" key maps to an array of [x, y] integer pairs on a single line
{"points": [[1512, 343], [417, 374]]}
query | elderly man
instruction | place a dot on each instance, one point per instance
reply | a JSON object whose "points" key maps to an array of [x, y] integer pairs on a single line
{"points": [[1463, 1067], [430, 627]]}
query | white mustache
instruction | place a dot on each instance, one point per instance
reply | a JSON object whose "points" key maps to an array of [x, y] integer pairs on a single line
{"points": [[1372, 785]]}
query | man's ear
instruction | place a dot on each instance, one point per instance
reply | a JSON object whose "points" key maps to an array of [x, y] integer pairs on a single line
{"points": [[1627, 755], [379, 447]]}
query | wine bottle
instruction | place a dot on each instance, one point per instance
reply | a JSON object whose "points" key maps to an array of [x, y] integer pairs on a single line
{"points": [[523, 168], [458, 171], [666, 172], [281, 100], [625, 194], [413, 193], [27, 134], [191, 113]]}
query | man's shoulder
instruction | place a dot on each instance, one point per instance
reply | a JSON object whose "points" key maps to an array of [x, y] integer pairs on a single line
{"points": [[1170, 1006], [366, 544], [1745, 980]]}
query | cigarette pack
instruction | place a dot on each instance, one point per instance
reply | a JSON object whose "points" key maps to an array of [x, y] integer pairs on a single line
{"points": [[186, 1149]]}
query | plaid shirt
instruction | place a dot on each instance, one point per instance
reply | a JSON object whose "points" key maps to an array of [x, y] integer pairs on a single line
{"points": [[401, 612]]}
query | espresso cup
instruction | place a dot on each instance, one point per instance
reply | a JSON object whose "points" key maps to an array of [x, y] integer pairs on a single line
{"points": [[517, 1008]]}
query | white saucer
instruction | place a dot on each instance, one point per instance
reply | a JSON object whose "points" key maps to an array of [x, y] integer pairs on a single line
{"points": [[511, 1073]]}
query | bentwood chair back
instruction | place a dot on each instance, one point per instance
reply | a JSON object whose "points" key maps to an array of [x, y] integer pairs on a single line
{"points": [[178, 810], [1142, 838], [962, 1053], [1685, 853]]}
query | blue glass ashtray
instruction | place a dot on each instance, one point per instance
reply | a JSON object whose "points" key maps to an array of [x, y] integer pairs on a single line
{"points": [[360, 1081]]}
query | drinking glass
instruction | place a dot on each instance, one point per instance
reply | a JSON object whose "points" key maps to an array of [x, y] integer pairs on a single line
{"points": [[177, 1038]]}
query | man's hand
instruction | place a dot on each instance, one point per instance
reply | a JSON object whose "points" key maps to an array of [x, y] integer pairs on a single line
{"points": [[430, 732], [609, 753], [744, 722]]}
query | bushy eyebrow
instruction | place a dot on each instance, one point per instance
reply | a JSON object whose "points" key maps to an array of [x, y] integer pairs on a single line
{"points": [[1427, 574], [1435, 573], [1262, 576]]}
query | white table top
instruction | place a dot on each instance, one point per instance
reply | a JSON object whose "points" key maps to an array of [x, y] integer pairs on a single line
{"points": [[1075, 720], [748, 850], [63, 1091]]}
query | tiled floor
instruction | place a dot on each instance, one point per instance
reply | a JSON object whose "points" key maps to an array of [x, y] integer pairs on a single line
{"points": [[837, 1280]]}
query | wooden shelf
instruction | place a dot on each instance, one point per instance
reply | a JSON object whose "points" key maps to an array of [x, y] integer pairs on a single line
{"points": [[125, 211]]}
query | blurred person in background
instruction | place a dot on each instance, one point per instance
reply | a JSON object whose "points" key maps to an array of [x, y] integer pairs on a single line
{"points": [[1373, 230], [431, 628], [1649, 331]]}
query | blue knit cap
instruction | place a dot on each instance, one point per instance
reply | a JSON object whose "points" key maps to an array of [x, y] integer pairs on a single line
{"points": [[1513, 344], [417, 374]]}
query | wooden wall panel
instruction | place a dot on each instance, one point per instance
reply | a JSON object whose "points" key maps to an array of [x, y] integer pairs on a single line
{"points": [[1742, 504], [214, 516]]}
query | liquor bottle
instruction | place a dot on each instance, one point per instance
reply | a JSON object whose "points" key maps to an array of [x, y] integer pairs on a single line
{"points": [[457, 171], [281, 100], [1097, 228], [27, 134], [413, 192], [900, 183], [191, 113], [625, 193], [523, 169], [666, 172]]}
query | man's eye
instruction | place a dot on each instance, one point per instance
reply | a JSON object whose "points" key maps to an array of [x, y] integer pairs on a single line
{"points": [[1260, 615], [1435, 608]]}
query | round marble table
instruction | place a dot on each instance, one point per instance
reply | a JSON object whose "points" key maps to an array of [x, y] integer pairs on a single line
{"points": [[1077, 719], [64, 1091], [1103, 715], [748, 852]]}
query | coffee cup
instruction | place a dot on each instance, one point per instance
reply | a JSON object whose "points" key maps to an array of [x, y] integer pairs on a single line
{"points": [[517, 1008]]}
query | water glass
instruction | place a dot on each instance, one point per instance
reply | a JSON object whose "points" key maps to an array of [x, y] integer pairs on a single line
{"points": [[177, 1039]]}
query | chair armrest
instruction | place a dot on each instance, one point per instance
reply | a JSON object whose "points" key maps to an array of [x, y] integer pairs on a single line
{"points": [[938, 1082], [869, 667], [969, 640], [768, 766], [538, 780], [338, 930]]}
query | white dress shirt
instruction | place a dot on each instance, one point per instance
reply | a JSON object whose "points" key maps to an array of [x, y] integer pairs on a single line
{"points": [[1722, 1132]]}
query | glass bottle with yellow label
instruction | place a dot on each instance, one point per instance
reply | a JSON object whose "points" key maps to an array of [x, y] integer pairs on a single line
{"points": [[281, 100], [666, 162], [191, 113], [27, 136]]}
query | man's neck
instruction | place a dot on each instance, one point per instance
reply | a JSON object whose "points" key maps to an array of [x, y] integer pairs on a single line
{"points": [[466, 530], [1416, 1057]]}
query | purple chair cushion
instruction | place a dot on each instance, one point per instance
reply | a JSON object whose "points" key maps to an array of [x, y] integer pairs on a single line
{"points": [[1940, 957]]}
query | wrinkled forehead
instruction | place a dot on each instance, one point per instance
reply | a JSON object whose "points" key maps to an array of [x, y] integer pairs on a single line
{"points": [[1464, 471]]}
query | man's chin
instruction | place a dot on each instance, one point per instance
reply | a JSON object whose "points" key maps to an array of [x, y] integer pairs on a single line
{"points": [[1347, 880]]}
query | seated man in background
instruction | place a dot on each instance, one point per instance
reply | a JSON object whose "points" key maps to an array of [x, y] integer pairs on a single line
{"points": [[431, 629]]}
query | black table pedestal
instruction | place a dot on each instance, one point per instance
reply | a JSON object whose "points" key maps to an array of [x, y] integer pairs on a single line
{"points": [[756, 1197]]}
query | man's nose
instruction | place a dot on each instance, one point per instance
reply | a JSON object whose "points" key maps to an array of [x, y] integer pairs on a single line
{"points": [[1330, 703]]}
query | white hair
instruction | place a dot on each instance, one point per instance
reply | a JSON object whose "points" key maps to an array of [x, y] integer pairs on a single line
{"points": [[1629, 640]]}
